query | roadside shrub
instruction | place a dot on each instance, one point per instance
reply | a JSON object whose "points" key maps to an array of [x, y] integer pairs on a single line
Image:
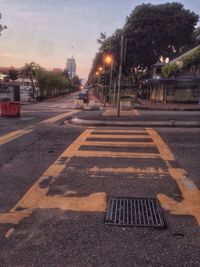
{"points": [[192, 59], [169, 70]]}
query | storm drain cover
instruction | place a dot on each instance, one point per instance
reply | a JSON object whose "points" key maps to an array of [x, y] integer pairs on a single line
{"points": [[134, 212]]}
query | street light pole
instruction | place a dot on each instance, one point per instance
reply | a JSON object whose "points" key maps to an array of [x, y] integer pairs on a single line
{"points": [[120, 74], [111, 70], [108, 59]]}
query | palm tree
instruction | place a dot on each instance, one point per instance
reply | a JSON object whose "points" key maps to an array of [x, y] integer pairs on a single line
{"points": [[102, 38], [29, 70]]}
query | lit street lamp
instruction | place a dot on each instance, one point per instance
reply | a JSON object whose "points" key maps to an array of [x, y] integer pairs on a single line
{"points": [[109, 60]]}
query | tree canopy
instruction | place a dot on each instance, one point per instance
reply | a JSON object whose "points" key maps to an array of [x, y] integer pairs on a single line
{"points": [[13, 74], [151, 31], [2, 27], [49, 82], [158, 30]]}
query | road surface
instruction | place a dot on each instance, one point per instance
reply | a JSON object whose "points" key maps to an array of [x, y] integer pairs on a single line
{"points": [[55, 179]]}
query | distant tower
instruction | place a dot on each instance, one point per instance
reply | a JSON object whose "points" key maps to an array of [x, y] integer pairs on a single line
{"points": [[71, 67]]}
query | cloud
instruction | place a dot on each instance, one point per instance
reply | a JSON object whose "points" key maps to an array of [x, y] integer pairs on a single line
{"points": [[9, 55], [46, 47]]}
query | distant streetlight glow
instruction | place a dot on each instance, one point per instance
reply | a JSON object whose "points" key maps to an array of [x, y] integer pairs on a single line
{"points": [[108, 59], [167, 60]]}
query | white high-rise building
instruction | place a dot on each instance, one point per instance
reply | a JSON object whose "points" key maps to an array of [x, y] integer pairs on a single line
{"points": [[71, 67]]}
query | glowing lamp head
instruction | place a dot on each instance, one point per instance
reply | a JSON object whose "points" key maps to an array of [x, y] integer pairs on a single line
{"points": [[108, 59]]}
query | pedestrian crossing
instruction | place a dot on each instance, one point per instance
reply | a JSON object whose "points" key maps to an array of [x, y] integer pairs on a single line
{"points": [[104, 138], [190, 205], [94, 154]]}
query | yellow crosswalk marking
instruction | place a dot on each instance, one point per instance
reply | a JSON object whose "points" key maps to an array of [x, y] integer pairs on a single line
{"points": [[103, 136], [109, 154], [119, 131], [117, 144], [148, 170], [164, 150], [36, 196], [190, 205]]}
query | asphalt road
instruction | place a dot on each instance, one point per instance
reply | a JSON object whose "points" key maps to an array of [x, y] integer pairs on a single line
{"points": [[55, 179]]}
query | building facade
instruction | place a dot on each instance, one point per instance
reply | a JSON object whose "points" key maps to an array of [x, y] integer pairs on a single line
{"points": [[71, 67], [182, 85]]}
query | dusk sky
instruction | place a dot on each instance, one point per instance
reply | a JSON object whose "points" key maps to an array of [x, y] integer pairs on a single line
{"points": [[50, 31]]}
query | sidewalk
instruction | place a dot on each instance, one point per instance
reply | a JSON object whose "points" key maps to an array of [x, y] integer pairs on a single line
{"points": [[107, 116], [146, 104]]}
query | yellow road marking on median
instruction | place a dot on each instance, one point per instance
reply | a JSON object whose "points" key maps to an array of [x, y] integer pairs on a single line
{"points": [[190, 205], [109, 154], [19, 133], [15, 134], [148, 170], [36, 196], [59, 117]]}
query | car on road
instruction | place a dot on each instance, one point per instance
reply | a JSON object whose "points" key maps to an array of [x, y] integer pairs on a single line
{"points": [[82, 96]]}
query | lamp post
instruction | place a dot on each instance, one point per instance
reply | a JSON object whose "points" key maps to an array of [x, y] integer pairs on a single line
{"points": [[109, 60], [97, 73], [120, 74]]}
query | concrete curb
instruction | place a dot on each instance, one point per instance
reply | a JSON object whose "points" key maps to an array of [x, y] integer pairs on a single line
{"points": [[173, 109], [184, 124]]}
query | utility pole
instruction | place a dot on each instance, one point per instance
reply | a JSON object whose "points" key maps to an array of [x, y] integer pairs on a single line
{"points": [[110, 85], [120, 74]]}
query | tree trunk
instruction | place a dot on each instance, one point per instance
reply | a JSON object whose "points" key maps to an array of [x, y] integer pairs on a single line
{"points": [[33, 85]]}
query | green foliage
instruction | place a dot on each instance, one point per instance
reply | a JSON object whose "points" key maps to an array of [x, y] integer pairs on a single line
{"points": [[169, 70], [126, 98], [29, 71], [192, 59], [76, 82], [2, 27], [196, 37], [151, 31], [13, 74], [110, 45], [102, 38], [51, 84], [155, 30]]}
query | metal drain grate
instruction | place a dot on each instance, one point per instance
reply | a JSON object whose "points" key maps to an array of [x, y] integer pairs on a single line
{"points": [[134, 212]]}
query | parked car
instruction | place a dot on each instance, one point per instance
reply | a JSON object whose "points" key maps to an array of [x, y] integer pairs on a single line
{"points": [[82, 96]]}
